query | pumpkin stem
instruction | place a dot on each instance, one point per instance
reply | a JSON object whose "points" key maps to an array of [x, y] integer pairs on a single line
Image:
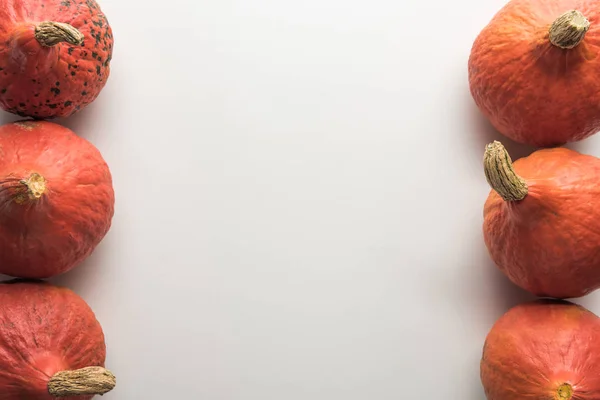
{"points": [[568, 30], [36, 185], [500, 174], [51, 33], [81, 382], [21, 190], [564, 392]]}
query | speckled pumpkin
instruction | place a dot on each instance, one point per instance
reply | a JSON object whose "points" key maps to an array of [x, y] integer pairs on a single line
{"points": [[547, 349], [55, 56], [542, 220], [51, 344], [533, 71], [56, 199]]}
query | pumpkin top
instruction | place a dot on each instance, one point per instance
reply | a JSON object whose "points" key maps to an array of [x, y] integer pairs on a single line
{"points": [[564, 392], [49, 33], [84, 381], [568, 30], [500, 174]]}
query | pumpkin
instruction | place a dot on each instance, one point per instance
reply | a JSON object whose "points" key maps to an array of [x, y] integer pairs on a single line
{"points": [[546, 349], [533, 71], [56, 199], [542, 219], [51, 344], [55, 57]]}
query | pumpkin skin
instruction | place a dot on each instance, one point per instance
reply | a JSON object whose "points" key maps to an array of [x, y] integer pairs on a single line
{"points": [[531, 89], [547, 349], [56, 199], [52, 77], [45, 329], [542, 220]]}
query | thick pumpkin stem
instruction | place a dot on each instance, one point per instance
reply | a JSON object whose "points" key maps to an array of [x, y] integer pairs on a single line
{"points": [[50, 34], [81, 382], [568, 30], [500, 174]]}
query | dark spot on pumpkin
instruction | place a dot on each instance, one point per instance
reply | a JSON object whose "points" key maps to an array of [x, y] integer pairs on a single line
{"points": [[72, 73], [3, 91], [94, 54], [56, 91], [36, 95], [68, 103], [98, 23], [78, 108], [84, 93], [52, 105], [57, 83], [47, 101], [66, 3], [85, 21], [97, 69], [33, 80], [96, 36], [84, 83], [21, 104], [70, 50]]}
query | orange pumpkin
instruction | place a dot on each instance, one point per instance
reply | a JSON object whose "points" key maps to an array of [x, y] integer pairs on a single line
{"points": [[542, 220], [545, 349], [51, 344], [55, 56], [533, 71], [56, 199]]}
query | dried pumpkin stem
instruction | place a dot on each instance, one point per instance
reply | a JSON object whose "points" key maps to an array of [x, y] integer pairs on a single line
{"points": [[80, 382], [568, 30], [50, 34], [500, 174]]}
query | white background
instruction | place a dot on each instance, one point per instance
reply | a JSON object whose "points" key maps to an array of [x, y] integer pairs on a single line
{"points": [[299, 201]]}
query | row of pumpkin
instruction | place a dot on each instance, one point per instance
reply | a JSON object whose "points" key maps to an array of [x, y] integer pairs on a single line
{"points": [[533, 72], [56, 198]]}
